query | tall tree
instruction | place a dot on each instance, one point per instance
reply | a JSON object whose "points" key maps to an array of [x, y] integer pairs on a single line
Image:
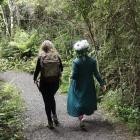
{"points": [[4, 18], [84, 9]]}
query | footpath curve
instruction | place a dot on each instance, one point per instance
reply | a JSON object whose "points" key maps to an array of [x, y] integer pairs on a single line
{"points": [[35, 121]]}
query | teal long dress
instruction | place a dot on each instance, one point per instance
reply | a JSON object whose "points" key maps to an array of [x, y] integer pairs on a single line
{"points": [[82, 94]]}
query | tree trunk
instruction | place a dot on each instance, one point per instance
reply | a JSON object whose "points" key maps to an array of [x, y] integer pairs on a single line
{"points": [[11, 7], [90, 32], [17, 15], [5, 21]]}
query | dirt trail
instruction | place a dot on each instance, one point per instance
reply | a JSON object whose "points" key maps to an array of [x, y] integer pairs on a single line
{"points": [[36, 121]]}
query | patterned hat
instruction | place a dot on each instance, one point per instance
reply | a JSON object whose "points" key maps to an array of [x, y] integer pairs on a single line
{"points": [[81, 45]]}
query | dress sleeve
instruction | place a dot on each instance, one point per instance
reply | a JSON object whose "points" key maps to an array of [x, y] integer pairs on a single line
{"points": [[37, 70], [74, 71], [97, 74]]}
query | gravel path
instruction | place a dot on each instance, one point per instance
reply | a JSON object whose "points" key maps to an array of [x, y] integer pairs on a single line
{"points": [[36, 121]]}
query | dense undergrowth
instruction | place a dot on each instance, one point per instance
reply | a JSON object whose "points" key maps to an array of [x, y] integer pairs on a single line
{"points": [[11, 108], [113, 106]]}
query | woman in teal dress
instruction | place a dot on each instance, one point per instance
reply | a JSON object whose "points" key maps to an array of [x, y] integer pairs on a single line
{"points": [[82, 94]]}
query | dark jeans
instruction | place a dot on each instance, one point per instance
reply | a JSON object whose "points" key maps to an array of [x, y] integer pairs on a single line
{"points": [[48, 91]]}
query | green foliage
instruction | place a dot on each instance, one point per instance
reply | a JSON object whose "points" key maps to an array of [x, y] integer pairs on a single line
{"points": [[11, 108], [22, 46], [83, 7], [18, 54], [63, 43], [113, 103], [16, 64], [59, 5], [65, 80], [1, 1]]}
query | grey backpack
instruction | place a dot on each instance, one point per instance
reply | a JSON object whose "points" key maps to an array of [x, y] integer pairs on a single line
{"points": [[50, 65]]}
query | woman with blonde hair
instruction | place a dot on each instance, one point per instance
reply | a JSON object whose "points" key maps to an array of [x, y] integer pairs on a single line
{"points": [[50, 67], [82, 94]]}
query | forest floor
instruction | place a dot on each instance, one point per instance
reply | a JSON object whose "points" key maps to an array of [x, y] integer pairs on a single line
{"points": [[35, 121]]}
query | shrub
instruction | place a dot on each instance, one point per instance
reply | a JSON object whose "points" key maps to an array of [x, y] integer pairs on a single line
{"points": [[18, 65], [11, 108], [23, 45], [113, 103]]}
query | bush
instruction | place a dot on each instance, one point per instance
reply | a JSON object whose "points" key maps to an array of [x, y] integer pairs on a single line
{"points": [[113, 103], [23, 45], [18, 65], [19, 53], [11, 108]]}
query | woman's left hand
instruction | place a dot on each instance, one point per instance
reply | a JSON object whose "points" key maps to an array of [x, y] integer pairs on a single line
{"points": [[103, 88]]}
